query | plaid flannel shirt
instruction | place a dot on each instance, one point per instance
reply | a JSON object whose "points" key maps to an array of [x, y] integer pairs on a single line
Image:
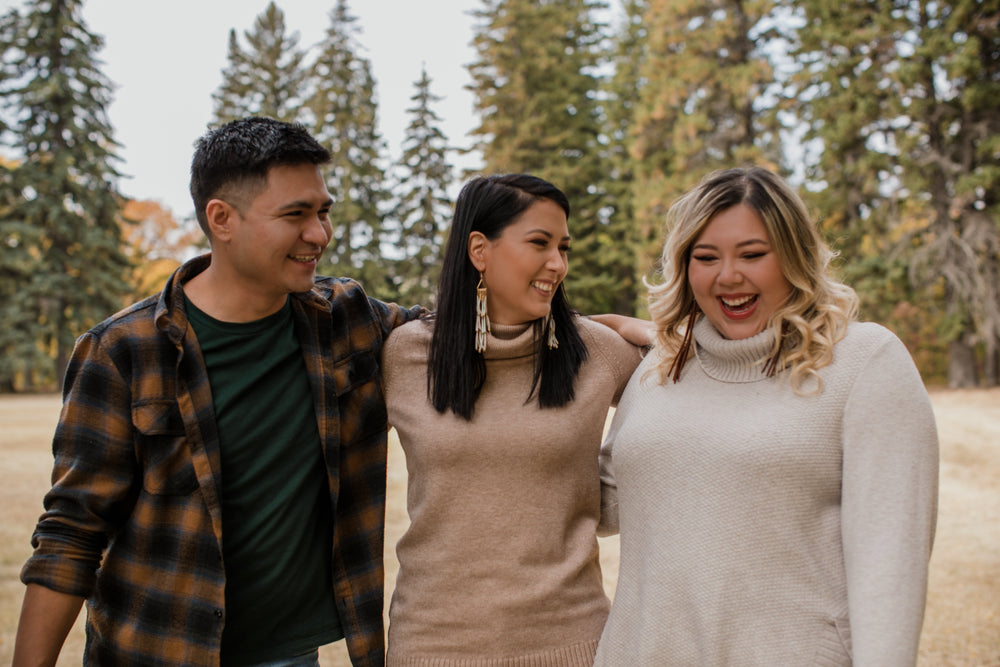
{"points": [[136, 476]]}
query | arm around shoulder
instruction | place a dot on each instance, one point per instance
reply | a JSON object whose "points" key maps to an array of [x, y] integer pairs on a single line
{"points": [[637, 331], [392, 315]]}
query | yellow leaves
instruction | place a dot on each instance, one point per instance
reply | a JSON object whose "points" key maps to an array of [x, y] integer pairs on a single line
{"points": [[151, 232], [157, 244]]}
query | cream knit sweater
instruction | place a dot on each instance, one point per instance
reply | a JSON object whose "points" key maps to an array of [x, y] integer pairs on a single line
{"points": [[499, 566], [760, 527]]}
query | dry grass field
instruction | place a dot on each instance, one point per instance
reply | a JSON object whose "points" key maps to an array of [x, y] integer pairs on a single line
{"points": [[962, 626]]}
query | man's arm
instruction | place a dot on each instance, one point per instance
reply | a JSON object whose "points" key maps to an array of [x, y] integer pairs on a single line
{"points": [[46, 618]]}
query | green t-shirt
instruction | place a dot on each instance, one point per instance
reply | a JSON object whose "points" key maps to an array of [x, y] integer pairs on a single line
{"points": [[277, 525]]}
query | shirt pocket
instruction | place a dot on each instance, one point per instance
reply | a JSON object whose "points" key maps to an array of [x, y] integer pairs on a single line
{"points": [[163, 449], [359, 397]]}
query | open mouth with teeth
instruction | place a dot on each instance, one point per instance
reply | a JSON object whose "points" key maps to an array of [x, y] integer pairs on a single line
{"points": [[738, 306], [548, 288], [304, 259]]}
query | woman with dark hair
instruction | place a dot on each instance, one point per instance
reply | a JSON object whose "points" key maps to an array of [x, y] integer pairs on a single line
{"points": [[773, 463], [500, 401]]}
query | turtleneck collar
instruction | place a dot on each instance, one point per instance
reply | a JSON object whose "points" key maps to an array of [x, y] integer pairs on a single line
{"points": [[510, 341], [731, 360]]}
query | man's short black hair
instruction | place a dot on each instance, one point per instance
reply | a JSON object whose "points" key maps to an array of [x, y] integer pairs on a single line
{"points": [[232, 161]]}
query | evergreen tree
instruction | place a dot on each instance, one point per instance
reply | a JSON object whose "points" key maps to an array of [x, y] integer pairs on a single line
{"points": [[267, 77], [703, 103], [537, 89], [622, 93], [61, 207], [950, 153], [423, 204], [343, 113], [904, 100], [838, 91], [21, 349]]}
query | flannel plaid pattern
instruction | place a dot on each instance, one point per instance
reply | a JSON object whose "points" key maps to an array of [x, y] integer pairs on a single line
{"points": [[133, 521]]}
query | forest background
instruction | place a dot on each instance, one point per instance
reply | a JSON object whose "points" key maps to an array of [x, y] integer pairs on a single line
{"points": [[885, 115]]}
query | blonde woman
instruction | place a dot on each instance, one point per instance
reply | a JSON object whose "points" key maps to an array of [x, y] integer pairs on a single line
{"points": [[772, 466]]}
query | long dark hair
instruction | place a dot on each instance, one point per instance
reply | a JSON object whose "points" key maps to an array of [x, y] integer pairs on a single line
{"points": [[456, 372]]}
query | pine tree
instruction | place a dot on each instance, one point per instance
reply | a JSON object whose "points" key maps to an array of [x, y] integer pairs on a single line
{"points": [[904, 100], [267, 77], [21, 351], [630, 50], [950, 153], [537, 89], [62, 205], [703, 102], [423, 204], [343, 110]]}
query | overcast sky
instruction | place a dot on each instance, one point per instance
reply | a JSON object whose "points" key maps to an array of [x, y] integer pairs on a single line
{"points": [[166, 59]]}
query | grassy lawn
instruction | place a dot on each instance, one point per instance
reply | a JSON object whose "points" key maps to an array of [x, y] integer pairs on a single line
{"points": [[962, 624]]}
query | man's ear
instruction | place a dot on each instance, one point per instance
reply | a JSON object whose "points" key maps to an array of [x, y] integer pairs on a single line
{"points": [[477, 250], [220, 215]]}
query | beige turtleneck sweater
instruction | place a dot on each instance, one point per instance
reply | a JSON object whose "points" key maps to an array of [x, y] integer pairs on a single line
{"points": [[764, 528], [499, 566]]}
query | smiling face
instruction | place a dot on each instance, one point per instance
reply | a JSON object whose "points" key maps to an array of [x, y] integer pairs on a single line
{"points": [[273, 242], [735, 275], [523, 266]]}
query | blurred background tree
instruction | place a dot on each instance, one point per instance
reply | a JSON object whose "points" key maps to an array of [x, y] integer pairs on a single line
{"points": [[902, 105], [62, 232], [705, 90], [344, 111], [423, 206], [538, 85], [157, 243], [885, 115], [265, 78]]}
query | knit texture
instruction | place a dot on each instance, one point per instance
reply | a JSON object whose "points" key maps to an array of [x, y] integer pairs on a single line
{"points": [[499, 567], [762, 527]]}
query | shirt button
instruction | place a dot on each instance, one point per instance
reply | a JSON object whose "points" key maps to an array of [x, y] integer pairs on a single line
{"points": [[218, 613]]}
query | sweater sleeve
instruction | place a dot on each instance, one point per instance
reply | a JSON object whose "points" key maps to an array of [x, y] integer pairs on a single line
{"points": [[621, 358], [889, 506], [608, 524], [617, 354], [398, 352]]}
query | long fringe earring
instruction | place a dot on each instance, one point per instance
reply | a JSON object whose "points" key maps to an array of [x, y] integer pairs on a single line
{"points": [[684, 351], [553, 341], [482, 318]]}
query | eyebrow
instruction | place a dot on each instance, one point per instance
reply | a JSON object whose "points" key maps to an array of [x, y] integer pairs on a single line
{"points": [[546, 233], [741, 244], [302, 203]]}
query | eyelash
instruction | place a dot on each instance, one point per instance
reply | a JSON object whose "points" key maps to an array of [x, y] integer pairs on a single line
{"points": [[542, 243], [709, 258], [297, 213]]}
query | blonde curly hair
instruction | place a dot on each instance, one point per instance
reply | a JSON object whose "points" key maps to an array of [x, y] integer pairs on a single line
{"points": [[818, 309]]}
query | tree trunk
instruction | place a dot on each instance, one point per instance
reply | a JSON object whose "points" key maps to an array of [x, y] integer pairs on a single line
{"points": [[991, 362], [962, 371]]}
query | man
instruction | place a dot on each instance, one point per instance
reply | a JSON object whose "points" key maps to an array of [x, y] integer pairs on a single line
{"points": [[219, 485]]}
